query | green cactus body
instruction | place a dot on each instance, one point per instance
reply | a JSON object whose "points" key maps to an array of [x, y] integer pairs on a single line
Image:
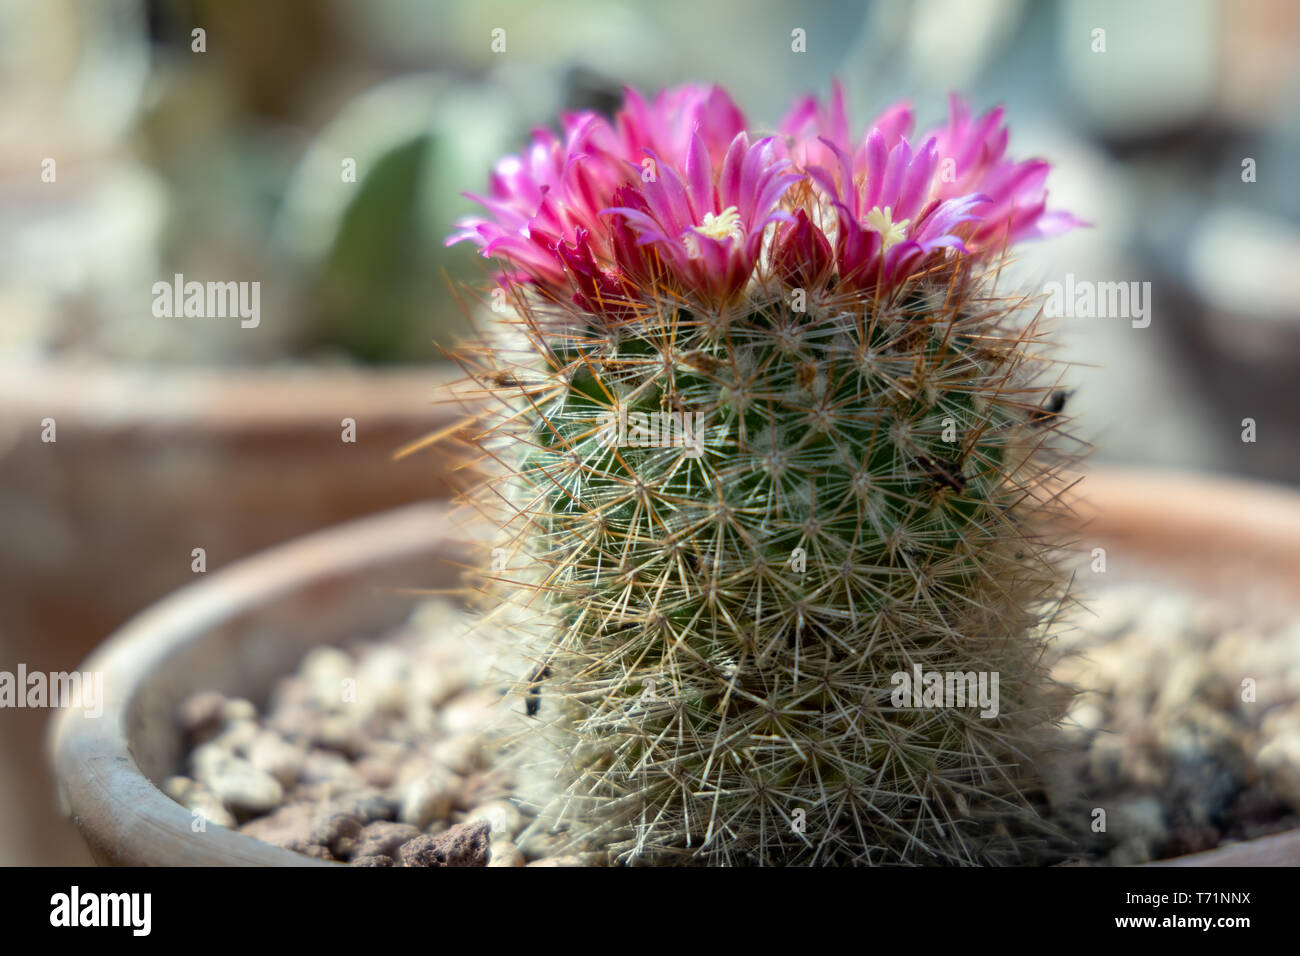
{"points": [[747, 528]]}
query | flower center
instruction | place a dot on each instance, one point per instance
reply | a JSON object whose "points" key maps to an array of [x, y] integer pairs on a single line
{"points": [[882, 221], [724, 224]]}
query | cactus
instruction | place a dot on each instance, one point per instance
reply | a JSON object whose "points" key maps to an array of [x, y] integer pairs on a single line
{"points": [[775, 470]]}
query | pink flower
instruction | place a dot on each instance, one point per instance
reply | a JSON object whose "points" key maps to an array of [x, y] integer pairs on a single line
{"points": [[667, 127], [673, 191], [544, 206], [545, 196], [888, 227], [1017, 199], [802, 256], [808, 126], [709, 234]]}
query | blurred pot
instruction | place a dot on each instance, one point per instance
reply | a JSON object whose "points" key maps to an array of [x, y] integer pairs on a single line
{"points": [[148, 466]]}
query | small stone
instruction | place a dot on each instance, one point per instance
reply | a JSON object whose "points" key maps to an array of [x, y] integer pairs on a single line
{"points": [[318, 853], [429, 798], [326, 669], [178, 787], [289, 827], [375, 772], [339, 732], [195, 797], [383, 838], [1139, 826], [1087, 715], [469, 713], [335, 828], [558, 861], [373, 861], [325, 766], [1191, 838], [482, 786], [1280, 761], [237, 709], [502, 816], [465, 844], [300, 826], [382, 680], [505, 853], [238, 736], [273, 754], [295, 723], [433, 682], [366, 804], [241, 787], [200, 716], [462, 753], [292, 691]]}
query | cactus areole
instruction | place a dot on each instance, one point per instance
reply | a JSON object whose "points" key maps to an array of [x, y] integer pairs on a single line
{"points": [[774, 471]]}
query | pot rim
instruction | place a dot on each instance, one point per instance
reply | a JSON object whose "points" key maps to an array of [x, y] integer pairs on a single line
{"points": [[123, 816], [119, 811]]}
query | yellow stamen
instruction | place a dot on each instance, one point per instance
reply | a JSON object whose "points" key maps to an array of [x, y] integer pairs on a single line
{"points": [[882, 221], [724, 224]]}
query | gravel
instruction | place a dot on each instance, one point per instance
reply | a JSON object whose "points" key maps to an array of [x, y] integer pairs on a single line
{"points": [[373, 755], [1186, 736], [1187, 733]]}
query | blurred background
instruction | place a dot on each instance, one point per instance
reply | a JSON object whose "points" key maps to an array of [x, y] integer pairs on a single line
{"points": [[128, 154]]}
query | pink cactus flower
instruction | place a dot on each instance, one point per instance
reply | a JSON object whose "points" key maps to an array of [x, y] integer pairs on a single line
{"points": [[674, 193], [708, 233], [888, 227], [1017, 199], [807, 127], [667, 127]]}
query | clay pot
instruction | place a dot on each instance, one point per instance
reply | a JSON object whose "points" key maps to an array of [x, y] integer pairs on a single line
{"points": [[149, 464], [240, 628]]}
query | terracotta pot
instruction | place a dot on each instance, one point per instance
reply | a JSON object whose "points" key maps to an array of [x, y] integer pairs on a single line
{"points": [[237, 630], [148, 465]]}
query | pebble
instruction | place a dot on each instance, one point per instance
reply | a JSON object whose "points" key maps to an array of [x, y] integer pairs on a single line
{"points": [[502, 816], [273, 754], [237, 709], [242, 789], [1280, 761], [429, 797], [383, 838], [559, 861], [382, 681], [300, 826], [465, 844], [197, 798], [325, 669], [505, 853], [325, 766]]}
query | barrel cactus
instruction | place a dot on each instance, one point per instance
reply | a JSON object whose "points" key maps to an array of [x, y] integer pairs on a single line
{"points": [[775, 469]]}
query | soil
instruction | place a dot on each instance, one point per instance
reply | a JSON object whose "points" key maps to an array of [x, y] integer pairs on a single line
{"points": [[1187, 733], [1186, 736]]}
